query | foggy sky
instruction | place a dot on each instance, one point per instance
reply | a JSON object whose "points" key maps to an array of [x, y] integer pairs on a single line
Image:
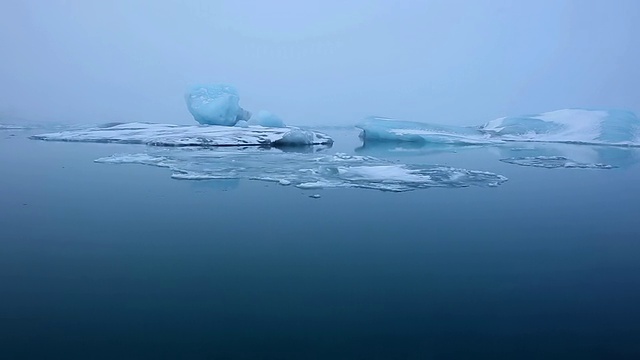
{"points": [[317, 62]]}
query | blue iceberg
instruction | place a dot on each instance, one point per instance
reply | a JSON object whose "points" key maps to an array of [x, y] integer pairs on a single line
{"points": [[267, 119], [215, 105], [385, 129], [580, 126]]}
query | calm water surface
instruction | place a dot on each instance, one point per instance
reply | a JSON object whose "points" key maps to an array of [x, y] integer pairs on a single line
{"points": [[121, 262]]}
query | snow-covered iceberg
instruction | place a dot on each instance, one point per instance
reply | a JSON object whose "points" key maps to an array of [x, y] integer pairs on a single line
{"points": [[191, 135], [580, 126], [385, 129], [216, 104], [304, 170]]}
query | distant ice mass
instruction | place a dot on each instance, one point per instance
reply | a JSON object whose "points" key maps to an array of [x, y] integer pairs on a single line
{"points": [[13, 127], [385, 129], [577, 126], [304, 170], [191, 135], [553, 162], [580, 126], [216, 104], [267, 119]]}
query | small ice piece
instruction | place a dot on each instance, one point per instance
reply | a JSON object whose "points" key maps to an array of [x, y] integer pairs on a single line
{"points": [[579, 126], [315, 196], [191, 135], [284, 182], [267, 119], [296, 137], [216, 104], [385, 129], [553, 162]]}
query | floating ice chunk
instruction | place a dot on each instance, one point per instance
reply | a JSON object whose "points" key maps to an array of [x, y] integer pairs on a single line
{"points": [[384, 129], [296, 137], [306, 171], [191, 135], [552, 162], [216, 104], [267, 119], [603, 127]]}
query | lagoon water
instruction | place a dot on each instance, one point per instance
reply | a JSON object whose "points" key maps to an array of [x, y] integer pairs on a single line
{"points": [[103, 261]]}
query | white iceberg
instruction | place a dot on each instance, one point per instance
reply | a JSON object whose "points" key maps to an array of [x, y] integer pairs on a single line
{"points": [[216, 104], [577, 126], [306, 171], [191, 135], [580, 126]]}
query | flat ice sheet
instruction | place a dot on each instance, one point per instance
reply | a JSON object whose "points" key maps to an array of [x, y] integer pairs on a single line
{"points": [[191, 135], [305, 170]]}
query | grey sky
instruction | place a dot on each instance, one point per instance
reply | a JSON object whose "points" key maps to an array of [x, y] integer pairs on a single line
{"points": [[318, 62]]}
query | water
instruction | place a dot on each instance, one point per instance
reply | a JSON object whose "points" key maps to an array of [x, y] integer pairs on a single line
{"points": [[101, 261]]}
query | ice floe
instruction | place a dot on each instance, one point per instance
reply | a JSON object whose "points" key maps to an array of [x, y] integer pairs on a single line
{"points": [[191, 135], [306, 170]]}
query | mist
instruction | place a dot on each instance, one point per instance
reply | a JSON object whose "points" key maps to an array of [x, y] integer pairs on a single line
{"points": [[317, 62]]}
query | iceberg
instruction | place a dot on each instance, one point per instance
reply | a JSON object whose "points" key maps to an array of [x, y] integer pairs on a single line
{"points": [[579, 126], [573, 126], [385, 129], [191, 135], [306, 171], [215, 105], [267, 119]]}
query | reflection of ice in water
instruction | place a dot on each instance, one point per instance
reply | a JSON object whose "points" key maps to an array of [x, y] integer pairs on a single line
{"points": [[552, 162], [305, 170], [570, 156]]}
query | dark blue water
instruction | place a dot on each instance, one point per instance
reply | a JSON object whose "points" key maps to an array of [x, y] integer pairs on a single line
{"points": [[122, 262]]}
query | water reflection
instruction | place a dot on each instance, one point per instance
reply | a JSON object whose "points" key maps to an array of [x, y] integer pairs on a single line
{"points": [[586, 156], [408, 148], [549, 155]]}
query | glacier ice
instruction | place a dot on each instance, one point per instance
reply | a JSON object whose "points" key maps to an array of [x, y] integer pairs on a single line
{"points": [[385, 129], [553, 162], [216, 104], [579, 126], [267, 119], [191, 135], [304, 170]]}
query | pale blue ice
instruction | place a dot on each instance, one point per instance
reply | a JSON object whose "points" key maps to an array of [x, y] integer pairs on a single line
{"points": [[215, 104]]}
